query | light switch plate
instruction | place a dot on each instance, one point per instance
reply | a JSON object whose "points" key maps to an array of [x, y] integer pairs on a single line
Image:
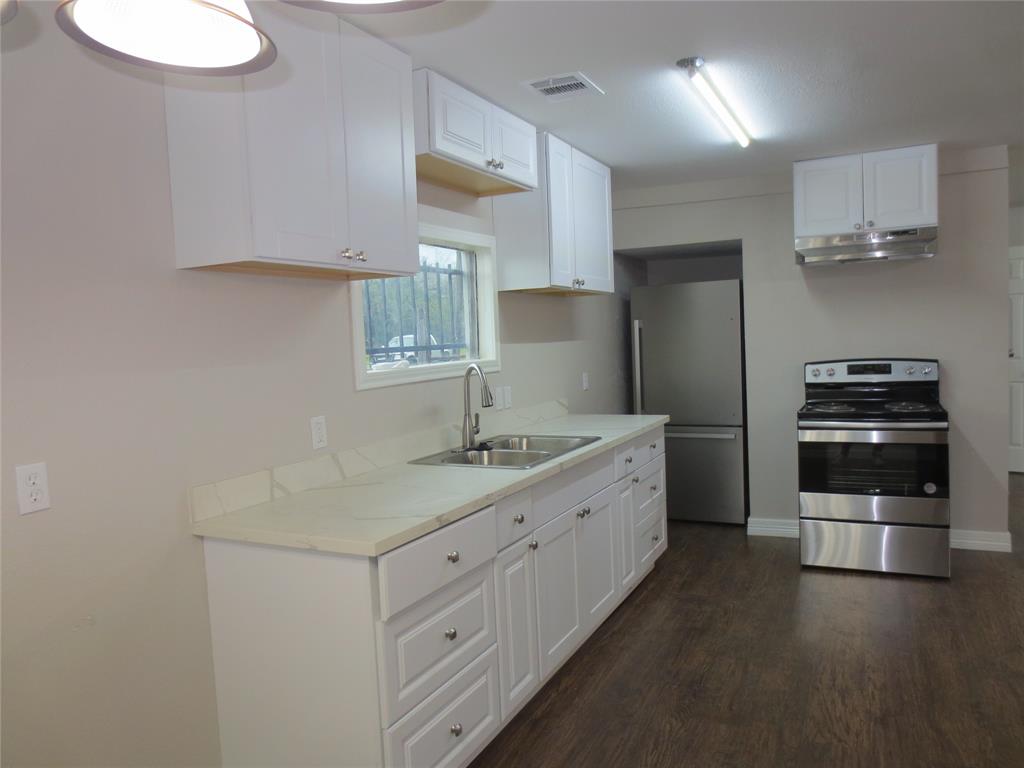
{"points": [[318, 429], [33, 488], [499, 398], [508, 395], [586, 381]]}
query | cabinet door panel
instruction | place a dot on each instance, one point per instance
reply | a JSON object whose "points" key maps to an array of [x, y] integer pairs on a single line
{"points": [[560, 210], [460, 122], [296, 141], [625, 527], [380, 153], [592, 217], [515, 147], [557, 588], [901, 187], [598, 575], [827, 196], [518, 652]]}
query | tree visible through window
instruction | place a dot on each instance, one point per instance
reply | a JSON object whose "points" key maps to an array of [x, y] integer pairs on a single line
{"points": [[425, 319]]}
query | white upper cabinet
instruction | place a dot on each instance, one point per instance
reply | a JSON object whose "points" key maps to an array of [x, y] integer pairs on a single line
{"points": [[558, 238], [465, 142], [891, 189], [306, 167], [827, 196], [901, 188]]}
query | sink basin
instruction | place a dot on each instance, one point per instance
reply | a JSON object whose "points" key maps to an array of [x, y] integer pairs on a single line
{"points": [[510, 452], [548, 443], [514, 459]]}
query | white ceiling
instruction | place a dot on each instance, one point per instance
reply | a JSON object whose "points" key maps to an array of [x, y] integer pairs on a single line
{"points": [[808, 79]]}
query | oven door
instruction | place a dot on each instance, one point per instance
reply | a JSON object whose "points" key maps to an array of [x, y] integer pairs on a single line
{"points": [[875, 475]]}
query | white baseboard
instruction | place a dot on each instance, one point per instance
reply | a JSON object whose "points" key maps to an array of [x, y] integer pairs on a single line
{"points": [[988, 541], [773, 526], [959, 538]]}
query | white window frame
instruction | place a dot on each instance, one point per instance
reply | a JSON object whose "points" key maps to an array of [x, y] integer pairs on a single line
{"points": [[489, 359]]}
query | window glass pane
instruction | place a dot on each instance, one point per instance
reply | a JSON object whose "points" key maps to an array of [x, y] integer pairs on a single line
{"points": [[425, 319]]}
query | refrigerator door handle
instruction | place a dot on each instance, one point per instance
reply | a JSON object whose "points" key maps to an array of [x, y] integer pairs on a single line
{"points": [[638, 368], [700, 435]]}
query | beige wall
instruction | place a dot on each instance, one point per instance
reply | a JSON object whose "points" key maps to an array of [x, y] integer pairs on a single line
{"points": [[952, 307], [134, 381]]}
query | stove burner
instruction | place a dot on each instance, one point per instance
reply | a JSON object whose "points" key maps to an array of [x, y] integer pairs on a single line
{"points": [[833, 407], [906, 406]]}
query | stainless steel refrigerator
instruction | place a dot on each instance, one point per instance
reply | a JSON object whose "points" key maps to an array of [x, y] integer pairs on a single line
{"points": [[688, 363]]}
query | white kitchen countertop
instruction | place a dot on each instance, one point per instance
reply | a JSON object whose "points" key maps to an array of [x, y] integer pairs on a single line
{"points": [[375, 512]]}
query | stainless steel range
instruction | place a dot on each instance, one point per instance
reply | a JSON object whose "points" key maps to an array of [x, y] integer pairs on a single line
{"points": [[874, 467]]}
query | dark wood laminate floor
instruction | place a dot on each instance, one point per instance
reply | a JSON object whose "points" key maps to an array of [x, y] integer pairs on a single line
{"points": [[730, 655]]}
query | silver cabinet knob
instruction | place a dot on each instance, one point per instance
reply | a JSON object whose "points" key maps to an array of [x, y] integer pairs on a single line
{"points": [[586, 511], [360, 255], [656, 538], [629, 459], [636, 480], [910, 370], [830, 372], [856, 226], [346, 254], [453, 557], [533, 544], [501, 165], [490, 162], [928, 369], [583, 282], [456, 729], [870, 223], [654, 489], [581, 514], [519, 519], [654, 446], [451, 633]]}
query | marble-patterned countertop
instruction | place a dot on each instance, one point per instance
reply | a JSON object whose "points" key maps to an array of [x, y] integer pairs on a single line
{"points": [[375, 512]]}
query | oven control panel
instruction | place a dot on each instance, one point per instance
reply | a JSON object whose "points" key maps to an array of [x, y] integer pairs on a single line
{"points": [[878, 370]]}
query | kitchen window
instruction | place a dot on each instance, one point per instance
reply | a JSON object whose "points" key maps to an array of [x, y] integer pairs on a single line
{"points": [[432, 324]]}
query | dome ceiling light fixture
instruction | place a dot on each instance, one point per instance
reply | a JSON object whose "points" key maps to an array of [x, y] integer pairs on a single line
{"points": [[694, 67], [196, 37], [364, 6], [8, 9]]}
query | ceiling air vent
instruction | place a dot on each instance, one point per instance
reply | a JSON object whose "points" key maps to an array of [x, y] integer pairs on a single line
{"points": [[562, 87]]}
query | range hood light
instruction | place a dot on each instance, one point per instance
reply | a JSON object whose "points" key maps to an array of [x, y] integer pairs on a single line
{"points": [[694, 67], [200, 37], [363, 6]]}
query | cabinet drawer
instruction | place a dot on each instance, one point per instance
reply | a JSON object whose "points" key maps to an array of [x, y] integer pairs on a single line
{"points": [[651, 540], [514, 517], [649, 487], [426, 645], [649, 446], [625, 461], [415, 570], [555, 495], [452, 725]]}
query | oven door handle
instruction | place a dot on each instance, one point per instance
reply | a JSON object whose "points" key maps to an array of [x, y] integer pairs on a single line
{"points": [[878, 436]]}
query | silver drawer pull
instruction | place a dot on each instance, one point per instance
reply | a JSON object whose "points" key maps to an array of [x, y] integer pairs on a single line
{"points": [[519, 519], [456, 729], [636, 480], [451, 633], [453, 557], [533, 544]]}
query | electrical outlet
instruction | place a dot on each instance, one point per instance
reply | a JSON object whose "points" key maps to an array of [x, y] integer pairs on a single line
{"points": [[499, 398], [318, 428], [33, 488], [508, 395], [586, 381]]}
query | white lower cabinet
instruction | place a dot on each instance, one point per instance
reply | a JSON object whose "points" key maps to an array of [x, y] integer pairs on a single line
{"points": [[515, 580], [417, 657], [450, 727], [559, 623]]}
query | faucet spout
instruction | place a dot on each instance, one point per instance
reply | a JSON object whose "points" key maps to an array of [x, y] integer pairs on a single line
{"points": [[471, 421]]}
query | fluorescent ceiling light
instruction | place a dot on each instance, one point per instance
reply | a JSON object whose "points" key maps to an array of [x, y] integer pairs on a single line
{"points": [[206, 37], [694, 67], [364, 6]]}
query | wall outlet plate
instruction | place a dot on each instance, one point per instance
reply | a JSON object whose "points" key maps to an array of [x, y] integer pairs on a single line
{"points": [[33, 488], [318, 430], [586, 381], [499, 398], [508, 395]]}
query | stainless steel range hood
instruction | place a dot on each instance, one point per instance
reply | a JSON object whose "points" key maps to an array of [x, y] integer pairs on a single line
{"points": [[891, 245]]}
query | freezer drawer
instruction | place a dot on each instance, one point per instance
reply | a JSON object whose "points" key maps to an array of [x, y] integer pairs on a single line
{"points": [[704, 479], [914, 549]]}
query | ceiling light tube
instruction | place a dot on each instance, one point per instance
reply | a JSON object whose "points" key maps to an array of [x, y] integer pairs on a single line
{"points": [[199, 37], [694, 67]]}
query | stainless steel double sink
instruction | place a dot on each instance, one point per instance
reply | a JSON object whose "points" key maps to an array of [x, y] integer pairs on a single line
{"points": [[509, 451]]}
